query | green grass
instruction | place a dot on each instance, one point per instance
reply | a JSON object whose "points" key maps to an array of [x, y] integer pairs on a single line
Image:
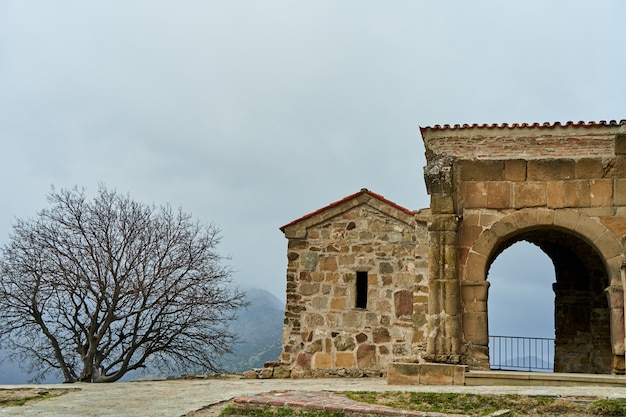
{"points": [[469, 404], [279, 412], [19, 397]]}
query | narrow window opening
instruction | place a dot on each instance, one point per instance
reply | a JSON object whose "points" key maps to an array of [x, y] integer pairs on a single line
{"points": [[361, 289]]}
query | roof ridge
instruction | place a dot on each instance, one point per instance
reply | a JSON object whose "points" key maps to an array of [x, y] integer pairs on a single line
{"points": [[601, 123], [345, 199]]}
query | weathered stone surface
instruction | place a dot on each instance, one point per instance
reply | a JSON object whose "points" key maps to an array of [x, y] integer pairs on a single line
{"points": [[529, 194], [308, 260], [515, 170], [266, 373], [403, 303], [366, 356], [282, 371], [589, 168], [343, 343], [475, 194], [498, 195], [322, 360], [381, 335], [425, 374], [551, 169], [344, 360], [251, 374], [482, 170], [303, 360]]}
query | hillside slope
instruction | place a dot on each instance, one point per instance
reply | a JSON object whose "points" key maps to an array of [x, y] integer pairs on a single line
{"points": [[259, 328]]}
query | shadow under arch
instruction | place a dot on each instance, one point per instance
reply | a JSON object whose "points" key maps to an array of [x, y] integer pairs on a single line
{"points": [[587, 258]]}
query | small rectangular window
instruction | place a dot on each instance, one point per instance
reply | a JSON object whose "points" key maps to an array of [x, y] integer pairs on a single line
{"points": [[361, 289]]}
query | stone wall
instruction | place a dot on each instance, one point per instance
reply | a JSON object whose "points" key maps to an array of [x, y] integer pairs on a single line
{"points": [[370, 283], [325, 332], [559, 187]]}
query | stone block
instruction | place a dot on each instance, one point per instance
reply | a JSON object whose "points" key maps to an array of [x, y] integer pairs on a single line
{"points": [[352, 319], [381, 335], [403, 373], [475, 328], [475, 268], [344, 360], [555, 194], [474, 194], [468, 234], [322, 360], [515, 170], [307, 288], [545, 216], [473, 291], [589, 168], [620, 144], [338, 303], [440, 203], [486, 242], [328, 263], [308, 261], [366, 356], [577, 193], [498, 195], [251, 374], [619, 166], [529, 194], [481, 170], [441, 374], [282, 371], [403, 302], [589, 228], [266, 373], [619, 195], [425, 374], [551, 169], [617, 225], [567, 219]]}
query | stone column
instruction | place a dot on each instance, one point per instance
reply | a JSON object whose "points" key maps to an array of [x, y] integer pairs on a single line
{"points": [[443, 295], [444, 312]]}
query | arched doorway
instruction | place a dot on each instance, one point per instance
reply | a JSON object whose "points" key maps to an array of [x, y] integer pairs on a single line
{"points": [[588, 336], [521, 338], [581, 310]]}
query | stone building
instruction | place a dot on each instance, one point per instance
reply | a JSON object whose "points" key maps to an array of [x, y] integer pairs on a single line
{"points": [[371, 285]]}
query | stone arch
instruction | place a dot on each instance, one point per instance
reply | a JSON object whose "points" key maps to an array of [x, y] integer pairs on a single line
{"points": [[542, 225]]}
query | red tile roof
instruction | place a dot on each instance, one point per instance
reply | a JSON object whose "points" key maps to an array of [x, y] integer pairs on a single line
{"points": [[345, 199], [601, 123]]}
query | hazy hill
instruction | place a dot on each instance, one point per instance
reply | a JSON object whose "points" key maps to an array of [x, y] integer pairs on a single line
{"points": [[260, 331]]}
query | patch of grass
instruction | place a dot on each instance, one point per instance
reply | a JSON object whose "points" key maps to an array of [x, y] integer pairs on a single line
{"points": [[477, 405], [608, 408], [468, 404], [19, 397], [279, 412]]}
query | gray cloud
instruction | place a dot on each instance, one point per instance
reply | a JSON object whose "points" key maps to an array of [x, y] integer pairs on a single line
{"points": [[252, 114]]}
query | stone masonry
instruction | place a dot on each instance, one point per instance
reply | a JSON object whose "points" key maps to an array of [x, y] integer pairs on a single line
{"points": [[370, 283], [326, 331]]}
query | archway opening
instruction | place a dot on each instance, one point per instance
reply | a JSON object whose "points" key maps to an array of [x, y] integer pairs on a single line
{"points": [[521, 309], [581, 314]]}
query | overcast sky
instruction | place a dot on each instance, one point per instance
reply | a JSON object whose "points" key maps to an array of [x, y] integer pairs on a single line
{"points": [[251, 114]]}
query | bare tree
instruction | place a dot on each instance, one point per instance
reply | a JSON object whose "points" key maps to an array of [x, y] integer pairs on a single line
{"points": [[95, 289]]}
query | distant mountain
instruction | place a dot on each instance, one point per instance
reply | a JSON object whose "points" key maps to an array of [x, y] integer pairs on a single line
{"points": [[525, 363], [11, 374], [259, 328]]}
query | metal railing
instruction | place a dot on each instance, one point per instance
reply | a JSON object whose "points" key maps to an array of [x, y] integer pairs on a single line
{"points": [[521, 353]]}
